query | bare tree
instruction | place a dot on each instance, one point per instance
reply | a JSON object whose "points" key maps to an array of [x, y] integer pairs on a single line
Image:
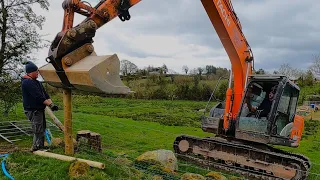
{"points": [[287, 70], [18, 27], [185, 69], [193, 71], [127, 67], [315, 67], [171, 71]]}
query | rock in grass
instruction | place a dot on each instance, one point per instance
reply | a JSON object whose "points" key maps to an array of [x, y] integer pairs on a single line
{"points": [[78, 169], [165, 159], [215, 176], [192, 176]]}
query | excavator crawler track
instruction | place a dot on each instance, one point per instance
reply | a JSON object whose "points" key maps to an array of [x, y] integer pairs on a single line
{"points": [[253, 161]]}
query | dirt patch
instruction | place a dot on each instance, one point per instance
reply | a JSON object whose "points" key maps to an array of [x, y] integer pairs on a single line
{"points": [[5, 149]]}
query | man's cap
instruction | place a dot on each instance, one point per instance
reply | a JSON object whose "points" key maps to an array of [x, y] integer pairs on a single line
{"points": [[31, 67]]}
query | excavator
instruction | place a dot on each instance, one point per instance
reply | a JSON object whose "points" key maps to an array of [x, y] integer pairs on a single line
{"points": [[258, 113]]}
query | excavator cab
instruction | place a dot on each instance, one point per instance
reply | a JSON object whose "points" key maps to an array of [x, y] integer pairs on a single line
{"points": [[267, 114]]}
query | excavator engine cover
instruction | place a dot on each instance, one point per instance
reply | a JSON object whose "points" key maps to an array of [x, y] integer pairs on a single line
{"points": [[98, 74]]}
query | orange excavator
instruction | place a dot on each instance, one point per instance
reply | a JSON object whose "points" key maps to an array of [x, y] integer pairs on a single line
{"points": [[259, 110]]}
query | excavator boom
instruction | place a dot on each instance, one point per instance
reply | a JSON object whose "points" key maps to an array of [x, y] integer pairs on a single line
{"points": [[242, 133]]}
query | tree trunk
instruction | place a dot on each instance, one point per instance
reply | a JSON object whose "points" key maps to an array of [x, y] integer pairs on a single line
{"points": [[3, 35]]}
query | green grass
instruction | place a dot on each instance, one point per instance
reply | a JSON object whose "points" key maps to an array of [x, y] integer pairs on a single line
{"points": [[128, 129]]}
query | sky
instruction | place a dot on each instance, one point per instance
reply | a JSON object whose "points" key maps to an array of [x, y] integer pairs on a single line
{"points": [[179, 32]]}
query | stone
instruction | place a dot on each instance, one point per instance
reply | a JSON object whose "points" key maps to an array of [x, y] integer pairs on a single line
{"points": [[165, 159]]}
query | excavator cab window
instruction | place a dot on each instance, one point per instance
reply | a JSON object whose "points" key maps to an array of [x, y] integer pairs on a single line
{"points": [[285, 111], [257, 104]]}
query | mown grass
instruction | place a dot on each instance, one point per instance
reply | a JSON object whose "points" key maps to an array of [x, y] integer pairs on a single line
{"points": [[128, 129], [310, 145]]}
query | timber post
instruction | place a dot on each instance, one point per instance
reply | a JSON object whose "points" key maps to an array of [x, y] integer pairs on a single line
{"points": [[69, 150]]}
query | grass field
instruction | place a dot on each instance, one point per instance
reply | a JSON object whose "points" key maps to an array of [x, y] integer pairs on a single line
{"points": [[128, 129]]}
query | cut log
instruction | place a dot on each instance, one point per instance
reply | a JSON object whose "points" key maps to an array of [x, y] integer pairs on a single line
{"points": [[69, 158]]}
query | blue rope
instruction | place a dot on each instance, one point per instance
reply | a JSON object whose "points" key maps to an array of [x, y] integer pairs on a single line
{"points": [[4, 167], [48, 137]]}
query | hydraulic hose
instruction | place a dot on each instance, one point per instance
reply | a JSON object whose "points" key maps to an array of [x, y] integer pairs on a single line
{"points": [[4, 167]]}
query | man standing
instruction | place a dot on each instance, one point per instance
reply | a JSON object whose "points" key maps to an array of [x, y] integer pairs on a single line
{"points": [[35, 100]]}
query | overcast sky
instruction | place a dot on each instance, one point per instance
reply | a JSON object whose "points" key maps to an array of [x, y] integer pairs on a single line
{"points": [[179, 32]]}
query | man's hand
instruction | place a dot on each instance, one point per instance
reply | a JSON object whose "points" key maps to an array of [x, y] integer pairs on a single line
{"points": [[53, 107]]}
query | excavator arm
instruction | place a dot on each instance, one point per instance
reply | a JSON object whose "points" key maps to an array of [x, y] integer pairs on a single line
{"points": [[71, 37], [228, 28], [79, 39], [73, 64]]}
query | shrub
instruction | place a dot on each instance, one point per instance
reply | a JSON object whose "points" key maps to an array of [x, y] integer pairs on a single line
{"points": [[10, 93]]}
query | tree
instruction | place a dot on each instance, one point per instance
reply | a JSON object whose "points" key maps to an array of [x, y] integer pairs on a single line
{"points": [[171, 71], [200, 70], [306, 79], [127, 67], [193, 71], [222, 72], [210, 69], [315, 67], [287, 70], [164, 69], [185, 69], [309, 78], [19, 37], [10, 93], [261, 71]]}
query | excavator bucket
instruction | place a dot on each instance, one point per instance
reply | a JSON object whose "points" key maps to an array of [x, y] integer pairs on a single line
{"points": [[99, 74]]}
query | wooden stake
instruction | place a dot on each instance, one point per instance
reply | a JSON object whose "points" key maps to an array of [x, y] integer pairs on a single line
{"points": [[55, 120], [69, 150]]}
